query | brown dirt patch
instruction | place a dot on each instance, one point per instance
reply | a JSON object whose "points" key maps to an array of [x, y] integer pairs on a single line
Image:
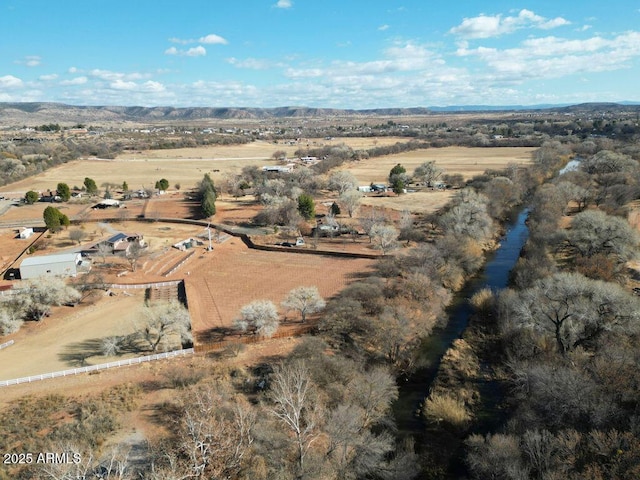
{"points": [[222, 281]]}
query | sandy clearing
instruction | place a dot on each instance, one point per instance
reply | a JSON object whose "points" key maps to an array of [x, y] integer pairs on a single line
{"points": [[40, 346]]}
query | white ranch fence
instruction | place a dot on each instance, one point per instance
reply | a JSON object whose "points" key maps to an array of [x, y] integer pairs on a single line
{"points": [[94, 368]]}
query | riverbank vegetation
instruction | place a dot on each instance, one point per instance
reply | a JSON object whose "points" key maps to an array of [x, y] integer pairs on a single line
{"points": [[565, 336]]}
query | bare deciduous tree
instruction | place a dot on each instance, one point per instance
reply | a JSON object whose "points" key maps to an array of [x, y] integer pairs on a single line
{"points": [[9, 323], [428, 173], [103, 250], [594, 232], [35, 297], [215, 432], [306, 300], [260, 316], [469, 216], [375, 217], [342, 181], [134, 252], [350, 201], [77, 235], [165, 319], [384, 237], [575, 310], [294, 402]]}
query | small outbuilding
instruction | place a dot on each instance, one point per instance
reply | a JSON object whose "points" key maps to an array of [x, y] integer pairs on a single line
{"points": [[60, 265], [25, 232], [108, 203]]}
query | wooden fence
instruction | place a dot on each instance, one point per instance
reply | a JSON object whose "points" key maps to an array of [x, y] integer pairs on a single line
{"points": [[250, 339]]}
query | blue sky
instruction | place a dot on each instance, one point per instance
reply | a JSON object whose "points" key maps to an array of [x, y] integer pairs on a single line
{"points": [[329, 53]]}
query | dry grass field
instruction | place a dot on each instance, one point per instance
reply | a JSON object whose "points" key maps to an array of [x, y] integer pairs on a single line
{"points": [[464, 160], [184, 166], [417, 202]]}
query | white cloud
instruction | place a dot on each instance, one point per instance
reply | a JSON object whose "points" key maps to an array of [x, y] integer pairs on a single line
{"points": [[408, 57], [9, 81], [108, 75], [122, 85], [48, 78], [198, 51], [151, 86], [488, 26], [384, 27], [552, 57], [32, 61], [181, 41], [75, 81], [253, 63], [213, 39], [284, 4], [72, 70]]}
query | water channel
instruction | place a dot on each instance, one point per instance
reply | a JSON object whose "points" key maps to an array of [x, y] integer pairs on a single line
{"points": [[494, 275]]}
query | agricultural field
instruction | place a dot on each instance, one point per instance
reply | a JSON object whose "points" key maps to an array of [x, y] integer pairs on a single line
{"points": [[467, 161], [184, 166]]}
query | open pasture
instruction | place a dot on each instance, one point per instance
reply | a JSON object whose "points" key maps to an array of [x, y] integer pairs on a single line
{"points": [[464, 160], [183, 166]]}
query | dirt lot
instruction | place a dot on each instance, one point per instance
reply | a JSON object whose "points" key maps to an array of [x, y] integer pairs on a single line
{"points": [[222, 281]]}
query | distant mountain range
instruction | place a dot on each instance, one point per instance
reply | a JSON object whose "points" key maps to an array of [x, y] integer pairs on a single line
{"points": [[36, 113]]}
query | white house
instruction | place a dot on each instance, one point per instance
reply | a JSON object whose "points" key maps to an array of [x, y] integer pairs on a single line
{"points": [[60, 265]]}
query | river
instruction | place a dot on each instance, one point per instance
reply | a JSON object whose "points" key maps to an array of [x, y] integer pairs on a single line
{"points": [[494, 275]]}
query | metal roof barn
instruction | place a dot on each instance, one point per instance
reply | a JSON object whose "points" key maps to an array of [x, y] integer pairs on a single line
{"points": [[61, 265]]}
